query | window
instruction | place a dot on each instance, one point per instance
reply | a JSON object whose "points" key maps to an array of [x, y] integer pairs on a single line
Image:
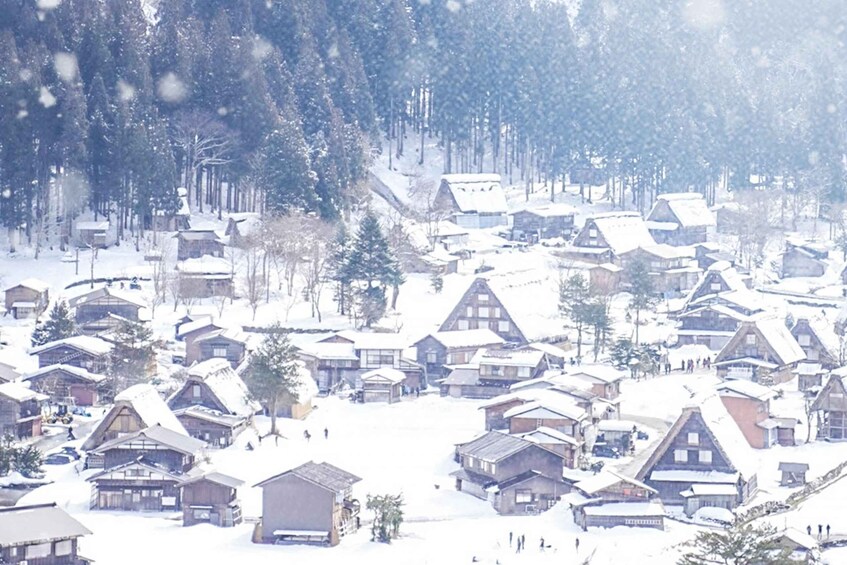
{"points": [[496, 313], [483, 311], [219, 351], [705, 456], [716, 286], [804, 339], [680, 456], [463, 324], [493, 468], [39, 550], [469, 311], [13, 552], [482, 297], [195, 391], [751, 339], [64, 547], [201, 514], [496, 370], [470, 461], [693, 438], [523, 496], [523, 372], [538, 423], [592, 232], [503, 326], [431, 357]]}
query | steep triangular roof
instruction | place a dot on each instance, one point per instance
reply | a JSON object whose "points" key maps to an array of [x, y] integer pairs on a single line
{"points": [[834, 385], [724, 432], [688, 209], [482, 286], [805, 326], [157, 434], [224, 385], [622, 231], [719, 272], [781, 345], [324, 475]]}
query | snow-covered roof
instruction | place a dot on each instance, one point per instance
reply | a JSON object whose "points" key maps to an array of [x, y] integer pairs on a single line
{"points": [[508, 357], [602, 373], [548, 436], [198, 235], [93, 226], [809, 369], [548, 408], [711, 489], [87, 343], [549, 349], [493, 446], [20, 525], [232, 334], [324, 475], [329, 350], [130, 296], [550, 210], [150, 407], [623, 231], [225, 384], [214, 477], [745, 388], [200, 322], [206, 265], [384, 374], [20, 392], [467, 338], [209, 415], [605, 479], [76, 371], [728, 435], [159, 434], [689, 208], [33, 284], [248, 223], [653, 508], [665, 251], [686, 476], [374, 340], [615, 425], [477, 193], [780, 339]]}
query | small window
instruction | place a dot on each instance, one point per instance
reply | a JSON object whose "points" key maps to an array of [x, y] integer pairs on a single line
{"points": [[751, 339], [523, 496], [219, 352], [463, 324], [493, 468], [716, 286], [523, 372], [483, 311], [680, 456], [469, 311], [693, 438], [64, 547], [592, 232], [195, 391], [431, 357], [804, 339], [705, 456], [39, 550], [470, 461], [482, 297], [13, 552], [496, 313], [503, 326]]}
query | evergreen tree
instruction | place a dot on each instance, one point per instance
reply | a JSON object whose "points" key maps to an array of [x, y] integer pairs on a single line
{"points": [[642, 293], [388, 515], [574, 302], [132, 355], [273, 373], [59, 325], [338, 273], [740, 545], [283, 171]]}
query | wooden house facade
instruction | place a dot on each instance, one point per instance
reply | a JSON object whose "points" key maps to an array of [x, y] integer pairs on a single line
{"points": [[515, 475], [93, 234], [712, 325], [103, 308], [212, 426], [680, 219], [480, 308], [605, 237], [761, 350], [440, 349], [749, 405], [382, 385], [205, 277], [40, 534], [544, 222], [211, 498], [504, 367], [86, 352], [671, 269], [27, 299], [193, 244], [61, 382], [830, 407], [312, 503], [609, 499], [803, 259], [136, 486], [813, 346], [20, 411], [229, 344]]}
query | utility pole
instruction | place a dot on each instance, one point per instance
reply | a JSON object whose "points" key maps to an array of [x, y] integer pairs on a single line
{"points": [[76, 262], [91, 246]]}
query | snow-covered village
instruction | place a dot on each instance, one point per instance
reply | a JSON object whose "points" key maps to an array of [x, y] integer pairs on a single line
{"points": [[421, 282]]}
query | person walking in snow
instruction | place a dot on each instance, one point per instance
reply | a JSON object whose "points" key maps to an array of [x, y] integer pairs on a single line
{"points": [[326, 433], [820, 531], [510, 539], [523, 541], [809, 530], [542, 544], [576, 543], [827, 531], [71, 435], [307, 435]]}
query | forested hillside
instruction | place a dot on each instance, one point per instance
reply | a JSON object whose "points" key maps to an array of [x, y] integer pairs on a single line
{"points": [[269, 105]]}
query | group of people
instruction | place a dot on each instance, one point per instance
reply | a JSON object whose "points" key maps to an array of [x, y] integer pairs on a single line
{"points": [[820, 531], [688, 366], [307, 436]]}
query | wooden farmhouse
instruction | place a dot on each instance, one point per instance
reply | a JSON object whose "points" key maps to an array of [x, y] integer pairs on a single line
{"points": [[605, 278], [312, 503], [515, 475], [672, 270], [27, 299], [793, 474], [703, 450], [135, 409], [504, 367], [605, 237], [551, 411], [205, 277], [61, 382], [193, 244], [93, 234], [95, 310], [605, 380], [680, 219], [229, 344], [803, 259], [211, 498], [142, 470], [830, 408], [544, 222], [375, 351], [711, 325], [609, 499], [761, 350], [20, 411], [707, 253], [40, 534], [563, 444], [330, 364], [718, 281], [474, 200], [749, 405], [190, 328], [481, 308], [86, 352], [440, 349], [813, 346], [215, 386]]}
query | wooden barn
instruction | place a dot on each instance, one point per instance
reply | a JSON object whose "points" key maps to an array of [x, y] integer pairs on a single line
{"points": [[474, 200], [176, 452], [83, 351], [813, 346], [681, 218], [205, 277], [481, 308], [211, 498], [40, 534], [311, 504], [749, 405], [803, 259], [61, 382], [27, 299], [609, 499], [92, 309], [215, 428], [193, 244], [605, 237], [229, 344], [544, 222], [382, 385], [440, 349], [830, 406], [20, 411], [93, 234], [761, 350]]}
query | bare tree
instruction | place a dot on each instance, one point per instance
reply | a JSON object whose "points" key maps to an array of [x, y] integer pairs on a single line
{"points": [[205, 142], [753, 225], [285, 240], [426, 208], [158, 257], [317, 261], [254, 281], [190, 289]]}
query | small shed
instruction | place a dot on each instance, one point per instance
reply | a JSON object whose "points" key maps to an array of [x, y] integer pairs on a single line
{"points": [[793, 474], [27, 299], [698, 496], [382, 385], [205, 277], [545, 222], [93, 234], [605, 277], [211, 498], [196, 243]]}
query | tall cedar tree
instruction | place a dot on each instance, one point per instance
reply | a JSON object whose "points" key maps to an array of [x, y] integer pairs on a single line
{"points": [[132, 355], [59, 325], [574, 300], [642, 293], [273, 374]]}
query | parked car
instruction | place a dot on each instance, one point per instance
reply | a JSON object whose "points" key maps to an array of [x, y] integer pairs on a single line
{"points": [[71, 452], [641, 435], [604, 450], [58, 459]]}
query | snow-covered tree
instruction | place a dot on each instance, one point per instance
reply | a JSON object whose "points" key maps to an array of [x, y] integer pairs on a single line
{"points": [[58, 325], [273, 373]]}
